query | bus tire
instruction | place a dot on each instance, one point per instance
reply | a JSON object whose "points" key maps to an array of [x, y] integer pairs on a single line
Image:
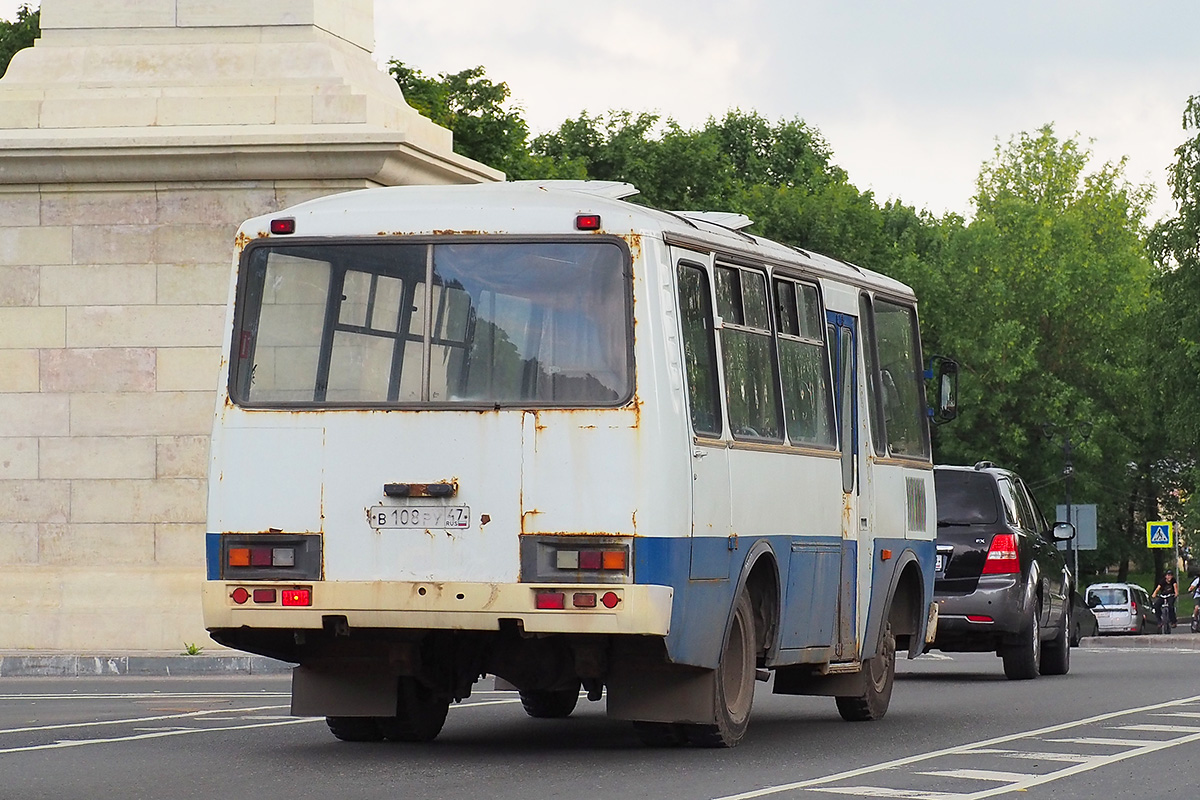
{"points": [[554, 704], [420, 713], [354, 729], [880, 674], [660, 734], [735, 678], [1021, 659]]}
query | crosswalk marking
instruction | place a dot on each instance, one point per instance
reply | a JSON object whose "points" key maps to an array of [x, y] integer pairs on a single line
{"points": [[1074, 764], [1152, 728], [1033, 755], [978, 774], [883, 791], [1102, 740]]}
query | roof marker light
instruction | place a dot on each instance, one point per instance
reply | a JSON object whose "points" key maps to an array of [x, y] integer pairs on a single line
{"points": [[283, 226], [587, 222]]}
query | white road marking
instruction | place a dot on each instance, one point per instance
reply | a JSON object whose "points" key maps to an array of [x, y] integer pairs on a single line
{"points": [[1101, 740], [154, 733], [1160, 728], [1136, 748], [131, 720], [977, 774], [879, 791], [1032, 755]]}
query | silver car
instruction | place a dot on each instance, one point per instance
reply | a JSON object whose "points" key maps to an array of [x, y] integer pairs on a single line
{"points": [[1121, 608]]}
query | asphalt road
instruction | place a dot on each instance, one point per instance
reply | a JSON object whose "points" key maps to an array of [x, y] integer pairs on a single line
{"points": [[1125, 722]]}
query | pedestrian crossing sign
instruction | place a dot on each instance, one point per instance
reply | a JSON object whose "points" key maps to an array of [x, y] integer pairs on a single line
{"points": [[1160, 534]]}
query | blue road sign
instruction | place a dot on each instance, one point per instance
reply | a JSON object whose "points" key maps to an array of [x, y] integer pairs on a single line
{"points": [[1160, 534]]}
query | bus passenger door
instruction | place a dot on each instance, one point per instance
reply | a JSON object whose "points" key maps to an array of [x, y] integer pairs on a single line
{"points": [[843, 343], [708, 455]]}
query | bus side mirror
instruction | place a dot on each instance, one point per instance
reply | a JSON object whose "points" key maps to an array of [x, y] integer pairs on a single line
{"points": [[945, 372]]}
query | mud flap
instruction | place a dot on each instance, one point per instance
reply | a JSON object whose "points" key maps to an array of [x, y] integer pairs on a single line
{"points": [[343, 694], [662, 693]]}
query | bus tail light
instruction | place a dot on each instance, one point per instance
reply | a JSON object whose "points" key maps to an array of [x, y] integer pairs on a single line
{"points": [[299, 596], [1002, 556], [550, 600]]}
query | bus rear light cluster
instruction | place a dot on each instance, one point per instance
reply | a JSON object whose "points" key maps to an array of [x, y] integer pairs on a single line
{"points": [[550, 600], [262, 557], [295, 596], [594, 560]]}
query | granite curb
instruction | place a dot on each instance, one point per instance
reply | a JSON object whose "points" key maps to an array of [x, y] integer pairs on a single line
{"points": [[1172, 641], [142, 664]]}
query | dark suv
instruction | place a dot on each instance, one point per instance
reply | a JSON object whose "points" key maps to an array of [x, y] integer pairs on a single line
{"points": [[1001, 583]]}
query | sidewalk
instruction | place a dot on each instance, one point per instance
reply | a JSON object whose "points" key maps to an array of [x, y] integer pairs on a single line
{"points": [[18, 664]]}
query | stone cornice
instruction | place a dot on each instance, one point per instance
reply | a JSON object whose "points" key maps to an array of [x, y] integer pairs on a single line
{"points": [[228, 154]]}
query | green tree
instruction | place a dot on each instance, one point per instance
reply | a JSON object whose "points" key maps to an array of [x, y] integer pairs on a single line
{"points": [[18, 35], [1175, 243], [1044, 298], [474, 109]]}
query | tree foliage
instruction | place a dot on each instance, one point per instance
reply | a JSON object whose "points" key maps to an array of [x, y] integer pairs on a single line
{"points": [[19, 34]]}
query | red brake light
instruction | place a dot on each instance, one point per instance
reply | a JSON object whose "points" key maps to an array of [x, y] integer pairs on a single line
{"points": [[1002, 558], [610, 599], [550, 600], [296, 597]]}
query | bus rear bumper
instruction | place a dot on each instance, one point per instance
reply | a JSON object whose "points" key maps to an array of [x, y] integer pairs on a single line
{"points": [[637, 609]]}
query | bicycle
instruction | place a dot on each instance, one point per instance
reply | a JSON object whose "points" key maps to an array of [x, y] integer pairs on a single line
{"points": [[1164, 607]]}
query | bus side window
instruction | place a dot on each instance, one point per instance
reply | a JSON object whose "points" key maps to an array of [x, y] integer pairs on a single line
{"points": [[751, 388], [803, 365], [875, 393], [901, 376], [699, 350]]}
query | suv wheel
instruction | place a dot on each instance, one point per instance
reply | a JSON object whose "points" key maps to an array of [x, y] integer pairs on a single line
{"points": [[1021, 659], [1056, 655]]}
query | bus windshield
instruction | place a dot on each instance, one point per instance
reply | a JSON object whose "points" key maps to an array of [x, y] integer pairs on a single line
{"points": [[479, 323]]}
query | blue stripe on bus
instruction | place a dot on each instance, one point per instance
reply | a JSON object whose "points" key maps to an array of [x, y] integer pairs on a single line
{"points": [[810, 570], [212, 555]]}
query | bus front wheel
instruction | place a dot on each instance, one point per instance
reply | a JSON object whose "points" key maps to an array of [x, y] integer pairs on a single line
{"points": [[734, 681], [880, 675]]}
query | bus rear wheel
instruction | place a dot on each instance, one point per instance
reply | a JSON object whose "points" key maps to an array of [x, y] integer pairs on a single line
{"points": [[734, 682], [553, 704], [354, 729], [880, 675], [420, 713]]}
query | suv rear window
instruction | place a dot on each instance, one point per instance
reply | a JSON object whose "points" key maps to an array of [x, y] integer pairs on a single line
{"points": [[964, 498]]}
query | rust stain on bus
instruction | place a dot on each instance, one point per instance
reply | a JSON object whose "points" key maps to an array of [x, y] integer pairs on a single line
{"points": [[240, 242]]}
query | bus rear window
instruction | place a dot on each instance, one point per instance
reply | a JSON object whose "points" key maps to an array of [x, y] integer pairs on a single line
{"points": [[483, 323]]}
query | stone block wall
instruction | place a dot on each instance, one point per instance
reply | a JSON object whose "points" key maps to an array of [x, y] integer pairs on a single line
{"points": [[112, 307]]}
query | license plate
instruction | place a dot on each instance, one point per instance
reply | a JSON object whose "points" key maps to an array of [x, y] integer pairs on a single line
{"points": [[420, 517], [939, 563]]}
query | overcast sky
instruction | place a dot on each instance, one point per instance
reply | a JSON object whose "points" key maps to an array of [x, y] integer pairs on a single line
{"points": [[911, 96]]}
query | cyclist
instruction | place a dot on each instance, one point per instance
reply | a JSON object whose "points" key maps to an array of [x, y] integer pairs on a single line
{"points": [[1194, 588], [1167, 589]]}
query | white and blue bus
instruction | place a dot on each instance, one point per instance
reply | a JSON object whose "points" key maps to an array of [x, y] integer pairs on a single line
{"points": [[537, 432]]}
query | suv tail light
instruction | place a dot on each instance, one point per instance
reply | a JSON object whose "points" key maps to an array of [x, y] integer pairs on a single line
{"points": [[1002, 556]]}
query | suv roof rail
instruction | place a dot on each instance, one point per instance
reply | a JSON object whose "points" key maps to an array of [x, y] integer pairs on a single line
{"points": [[984, 465]]}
